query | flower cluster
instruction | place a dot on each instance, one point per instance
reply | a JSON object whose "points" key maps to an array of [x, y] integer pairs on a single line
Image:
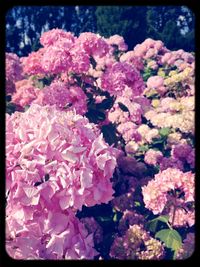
{"points": [[100, 144], [187, 248], [93, 227], [55, 161], [25, 93], [46, 234], [173, 114], [14, 72], [136, 244], [153, 157], [63, 97], [170, 191], [119, 76]]}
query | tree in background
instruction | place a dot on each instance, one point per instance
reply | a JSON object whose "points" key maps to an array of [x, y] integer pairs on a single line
{"points": [[83, 20], [174, 25], [128, 21], [24, 25]]}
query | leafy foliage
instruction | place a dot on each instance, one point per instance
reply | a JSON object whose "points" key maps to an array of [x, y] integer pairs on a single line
{"points": [[171, 238], [153, 224], [173, 25]]}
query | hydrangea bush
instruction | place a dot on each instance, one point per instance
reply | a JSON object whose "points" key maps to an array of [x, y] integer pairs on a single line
{"points": [[100, 150]]}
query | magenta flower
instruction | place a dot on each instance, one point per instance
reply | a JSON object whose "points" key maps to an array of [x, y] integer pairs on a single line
{"points": [[119, 76], [14, 72]]}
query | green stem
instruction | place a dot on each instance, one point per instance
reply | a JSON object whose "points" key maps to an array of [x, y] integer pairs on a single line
{"points": [[174, 212], [169, 225]]}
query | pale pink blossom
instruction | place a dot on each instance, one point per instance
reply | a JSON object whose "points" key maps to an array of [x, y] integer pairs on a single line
{"points": [[50, 235], [67, 148], [153, 157], [51, 37], [32, 63], [117, 40], [157, 195], [93, 44]]}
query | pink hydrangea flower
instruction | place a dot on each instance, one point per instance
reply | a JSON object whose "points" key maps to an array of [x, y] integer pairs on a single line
{"points": [[156, 82], [117, 40], [118, 76], [65, 146], [136, 244], [80, 59], [13, 72], [25, 93], [153, 133], [65, 97], [56, 161], [177, 58], [93, 44], [153, 157], [131, 58], [143, 102], [147, 134], [57, 45], [51, 37], [150, 49], [127, 130], [133, 112], [56, 59], [32, 63], [158, 198], [46, 234]]}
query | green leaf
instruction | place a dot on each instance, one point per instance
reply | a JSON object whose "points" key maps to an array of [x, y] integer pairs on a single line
{"points": [[171, 238], [39, 84], [163, 218], [137, 204], [143, 148], [109, 134], [146, 74], [8, 98], [157, 141], [115, 218], [123, 107], [105, 104], [95, 115], [10, 108], [26, 107], [152, 225], [93, 62], [165, 131], [104, 219]]}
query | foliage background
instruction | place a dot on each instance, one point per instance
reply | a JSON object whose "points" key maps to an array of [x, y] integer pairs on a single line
{"points": [[174, 25]]}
